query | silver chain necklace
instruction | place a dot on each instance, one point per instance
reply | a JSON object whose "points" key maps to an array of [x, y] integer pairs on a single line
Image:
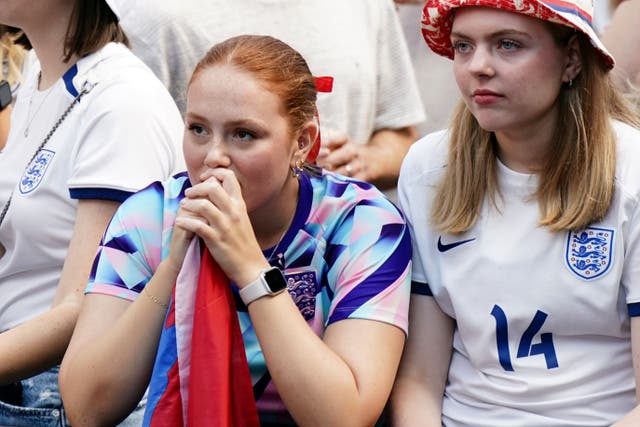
{"points": [[30, 118], [86, 88], [280, 255]]}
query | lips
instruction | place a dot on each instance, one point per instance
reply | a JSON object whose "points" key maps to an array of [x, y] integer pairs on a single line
{"points": [[485, 96]]}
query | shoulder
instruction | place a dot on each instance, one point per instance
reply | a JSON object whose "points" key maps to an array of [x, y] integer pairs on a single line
{"points": [[126, 100], [628, 158], [347, 192], [421, 172], [158, 200], [426, 160], [168, 191], [626, 135], [434, 145], [121, 76], [342, 203]]}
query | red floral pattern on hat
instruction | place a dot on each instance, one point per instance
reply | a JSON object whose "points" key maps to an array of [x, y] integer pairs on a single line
{"points": [[437, 19]]}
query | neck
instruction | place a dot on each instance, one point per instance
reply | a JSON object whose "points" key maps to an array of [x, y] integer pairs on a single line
{"points": [[271, 222], [523, 156], [525, 150], [47, 40]]}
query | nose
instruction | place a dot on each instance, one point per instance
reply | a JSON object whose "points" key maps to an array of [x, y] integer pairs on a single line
{"points": [[217, 154], [481, 62]]}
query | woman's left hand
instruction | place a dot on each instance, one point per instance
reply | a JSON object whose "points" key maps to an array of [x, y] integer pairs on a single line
{"points": [[339, 154], [224, 225], [378, 161]]}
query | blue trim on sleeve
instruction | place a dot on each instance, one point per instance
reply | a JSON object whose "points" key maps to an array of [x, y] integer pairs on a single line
{"points": [[634, 309], [100, 194], [68, 80], [421, 288]]}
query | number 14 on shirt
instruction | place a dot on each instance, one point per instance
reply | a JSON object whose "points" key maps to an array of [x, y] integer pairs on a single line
{"points": [[526, 348]]}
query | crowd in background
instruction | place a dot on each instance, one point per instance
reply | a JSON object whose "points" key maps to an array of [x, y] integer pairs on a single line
{"points": [[346, 210]]}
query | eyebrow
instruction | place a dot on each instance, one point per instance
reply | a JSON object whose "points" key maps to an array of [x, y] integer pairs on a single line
{"points": [[501, 33], [247, 123], [193, 116]]}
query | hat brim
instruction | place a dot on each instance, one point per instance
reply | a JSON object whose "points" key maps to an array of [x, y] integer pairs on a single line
{"points": [[437, 20]]}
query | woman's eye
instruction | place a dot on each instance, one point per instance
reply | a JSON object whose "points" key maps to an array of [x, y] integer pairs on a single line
{"points": [[461, 46], [243, 135], [197, 130], [508, 44]]}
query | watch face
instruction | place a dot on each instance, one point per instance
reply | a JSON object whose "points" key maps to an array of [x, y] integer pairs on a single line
{"points": [[275, 280]]}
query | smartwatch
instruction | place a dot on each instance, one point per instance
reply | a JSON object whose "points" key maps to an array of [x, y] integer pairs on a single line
{"points": [[5, 95], [269, 282]]}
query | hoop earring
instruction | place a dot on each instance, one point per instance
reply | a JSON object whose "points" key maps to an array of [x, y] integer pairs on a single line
{"points": [[570, 82], [297, 170]]}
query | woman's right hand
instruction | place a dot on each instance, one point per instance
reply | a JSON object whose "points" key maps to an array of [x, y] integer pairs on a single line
{"points": [[222, 221], [180, 240]]}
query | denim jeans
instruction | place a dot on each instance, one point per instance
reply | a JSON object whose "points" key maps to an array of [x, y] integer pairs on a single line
{"points": [[36, 402]]}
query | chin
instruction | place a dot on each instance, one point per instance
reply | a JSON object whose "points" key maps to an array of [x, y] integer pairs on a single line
{"points": [[489, 126], [490, 123]]}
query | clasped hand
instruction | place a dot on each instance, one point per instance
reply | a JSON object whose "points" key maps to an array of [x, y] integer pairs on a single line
{"points": [[214, 210]]}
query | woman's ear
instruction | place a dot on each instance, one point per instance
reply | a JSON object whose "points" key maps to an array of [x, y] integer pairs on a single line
{"points": [[307, 137], [574, 60]]}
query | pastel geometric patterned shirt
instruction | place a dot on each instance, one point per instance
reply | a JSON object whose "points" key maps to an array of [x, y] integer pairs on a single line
{"points": [[347, 254]]}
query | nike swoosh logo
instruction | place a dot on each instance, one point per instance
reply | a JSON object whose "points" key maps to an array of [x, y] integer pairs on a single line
{"points": [[444, 247]]}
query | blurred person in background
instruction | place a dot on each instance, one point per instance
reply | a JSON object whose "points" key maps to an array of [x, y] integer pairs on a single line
{"points": [[434, 73], [368, 120], [14, 60], [621, 35]]}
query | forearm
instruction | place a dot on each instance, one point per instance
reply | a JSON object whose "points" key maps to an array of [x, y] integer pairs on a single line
{"points": [[419, 387], [385, 151], [37, 344], [103, 378], [632, 419], [317, 385], [412, 404]]}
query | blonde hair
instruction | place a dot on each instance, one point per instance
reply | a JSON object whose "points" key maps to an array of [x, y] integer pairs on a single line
{"points": [[12, 57], [576, 185]]}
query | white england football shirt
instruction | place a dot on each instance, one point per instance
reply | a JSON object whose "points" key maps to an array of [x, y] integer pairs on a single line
{"points": [[542, 335], [124, 134]]}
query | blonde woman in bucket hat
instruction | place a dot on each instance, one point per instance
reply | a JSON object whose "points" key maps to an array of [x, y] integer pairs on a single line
{"points": [[526, 229]]}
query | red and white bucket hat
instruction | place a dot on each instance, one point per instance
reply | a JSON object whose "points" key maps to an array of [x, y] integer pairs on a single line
{"points": [[437, 19]]}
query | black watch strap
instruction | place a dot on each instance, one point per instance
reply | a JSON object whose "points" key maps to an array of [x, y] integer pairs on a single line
{"points": [[5, 94]]}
